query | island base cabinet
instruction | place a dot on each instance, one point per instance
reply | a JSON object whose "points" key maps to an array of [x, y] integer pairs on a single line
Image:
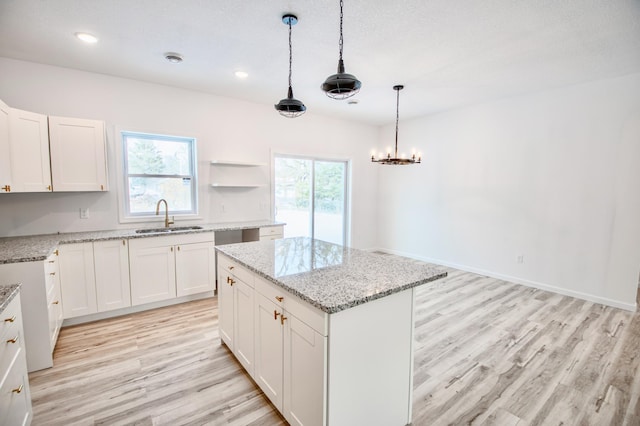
{"points": [[225, 310], [269, 338], [371, 362], [304, 374]]}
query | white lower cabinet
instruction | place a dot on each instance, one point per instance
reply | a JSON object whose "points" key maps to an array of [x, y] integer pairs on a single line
{"points": [[284, 346], [77, 278], [15, 397], [111, 262], [165, 267], [271, 233]]}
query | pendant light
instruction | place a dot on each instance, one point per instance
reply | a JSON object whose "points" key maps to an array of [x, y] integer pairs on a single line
{"points": [[290, 107], [397, 160], [341, 85]]}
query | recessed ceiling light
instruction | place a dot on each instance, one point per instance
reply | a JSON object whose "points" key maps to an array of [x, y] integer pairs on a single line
{"points": [[173, 57], [87, 38], [241, 74]]}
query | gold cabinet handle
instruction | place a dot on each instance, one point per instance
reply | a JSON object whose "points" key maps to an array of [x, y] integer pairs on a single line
{"points": [[56, 302], [282, 319], [6, 188], [124, 242], [178, 248], [279, 298], [49, 187], [52, 273], [231, 268], [230, 281], [101, 187], [56, 252], [171, 248], [275, 314], [17, 390], [12, 319], [14, 340]]}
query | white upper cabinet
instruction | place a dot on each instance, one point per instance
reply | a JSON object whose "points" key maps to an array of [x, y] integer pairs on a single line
{"points": [[29, 148], [78, 154], [5, 158]]}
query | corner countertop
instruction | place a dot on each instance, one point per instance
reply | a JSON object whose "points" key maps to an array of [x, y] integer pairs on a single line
{"points": [[33, 248], [329, 276], [7, 293]]}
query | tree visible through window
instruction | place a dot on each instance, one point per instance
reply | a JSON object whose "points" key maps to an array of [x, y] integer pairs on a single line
{"points": [[156, 167]]}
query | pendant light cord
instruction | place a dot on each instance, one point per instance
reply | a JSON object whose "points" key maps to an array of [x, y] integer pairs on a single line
{"points": [[290, 54], [341, 42], [397, 118]]}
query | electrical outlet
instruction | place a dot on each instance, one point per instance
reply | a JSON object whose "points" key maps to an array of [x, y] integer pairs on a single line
{"points": [[84, 213], [222, 209], [520, 258]]}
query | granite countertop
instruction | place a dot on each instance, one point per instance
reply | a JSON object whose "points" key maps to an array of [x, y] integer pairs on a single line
{"points": [[32, 248], [329, 276], [7, 293]]}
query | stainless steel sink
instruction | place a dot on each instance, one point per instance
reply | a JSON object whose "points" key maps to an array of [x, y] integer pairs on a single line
{"points": [[166, 230]]}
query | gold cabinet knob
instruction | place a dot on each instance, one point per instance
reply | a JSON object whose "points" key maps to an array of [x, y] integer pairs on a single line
{"points": [[279, 298], [12, 319], [17, 390], [14, 340]]}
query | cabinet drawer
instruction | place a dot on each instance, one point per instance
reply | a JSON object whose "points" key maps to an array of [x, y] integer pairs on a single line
{"points": [[14, 394], [271, 230], [302, 310], [10, 349], [51, 271], [230, 268], [9, 319]]}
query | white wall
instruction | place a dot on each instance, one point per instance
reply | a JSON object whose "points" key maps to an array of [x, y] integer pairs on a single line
{"points": [[225, 129], [553, 177]]}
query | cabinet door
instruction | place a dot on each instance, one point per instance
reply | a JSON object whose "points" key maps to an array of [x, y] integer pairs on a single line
{"points": [[77, 279], [29, 140], [153, 271], [225, 309], [243, 325], [304, 373], [111, 259], [195, 268], [5, 149], [268, 349], [78, 154], [56, 314]]}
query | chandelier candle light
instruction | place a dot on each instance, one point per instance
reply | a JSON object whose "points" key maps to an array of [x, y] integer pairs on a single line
{"points": [[397, 160], [290, 107], [341, 85]]}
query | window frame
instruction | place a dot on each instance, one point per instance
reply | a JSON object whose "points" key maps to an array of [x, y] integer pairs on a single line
{"points": [[123, 176]]}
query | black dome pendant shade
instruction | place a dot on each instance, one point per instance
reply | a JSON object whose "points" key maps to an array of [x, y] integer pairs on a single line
{"points": [[290, 107], [341, 85]]}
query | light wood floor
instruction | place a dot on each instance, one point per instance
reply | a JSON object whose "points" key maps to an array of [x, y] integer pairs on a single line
{"points": [[487, 352]]}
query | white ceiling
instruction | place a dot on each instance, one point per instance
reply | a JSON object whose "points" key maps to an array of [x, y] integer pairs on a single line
{"points": [[447, 53]]}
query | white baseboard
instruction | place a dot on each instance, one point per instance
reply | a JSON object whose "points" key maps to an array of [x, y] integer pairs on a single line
{"points": [[529, 283]]}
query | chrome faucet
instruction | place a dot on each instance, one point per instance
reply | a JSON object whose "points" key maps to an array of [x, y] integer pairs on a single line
{"points": [[167, 222]]}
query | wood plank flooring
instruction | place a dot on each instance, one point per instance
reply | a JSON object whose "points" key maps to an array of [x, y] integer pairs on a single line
{"points": [[487, 352]]}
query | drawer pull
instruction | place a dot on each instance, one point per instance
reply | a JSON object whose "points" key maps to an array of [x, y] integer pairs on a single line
{"points": [[12, 319], [52, 261], [6, 188], [230, 281], [18, 389], [56, 302], [282, 319], [124, 242], [279, 298], [56, 252], [275, 314], [14, 340], [52, 273], [231, 268]]}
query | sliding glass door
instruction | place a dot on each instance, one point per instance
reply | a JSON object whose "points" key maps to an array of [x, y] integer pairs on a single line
{"points": [[310, 195]]}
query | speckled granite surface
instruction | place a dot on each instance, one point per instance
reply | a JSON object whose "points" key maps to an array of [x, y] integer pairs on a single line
{"points": [[328, 276], [37, 247], [7, 293]]}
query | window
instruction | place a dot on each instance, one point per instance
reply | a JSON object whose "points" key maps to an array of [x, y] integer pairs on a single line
{"points": [[311, 197], [155, 167]]}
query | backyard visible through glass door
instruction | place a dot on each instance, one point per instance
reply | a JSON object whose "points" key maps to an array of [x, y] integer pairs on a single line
{"points": [[310, 196]]}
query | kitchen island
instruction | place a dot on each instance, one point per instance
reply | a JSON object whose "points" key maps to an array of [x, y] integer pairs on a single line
{"points": [[326, 331]]}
